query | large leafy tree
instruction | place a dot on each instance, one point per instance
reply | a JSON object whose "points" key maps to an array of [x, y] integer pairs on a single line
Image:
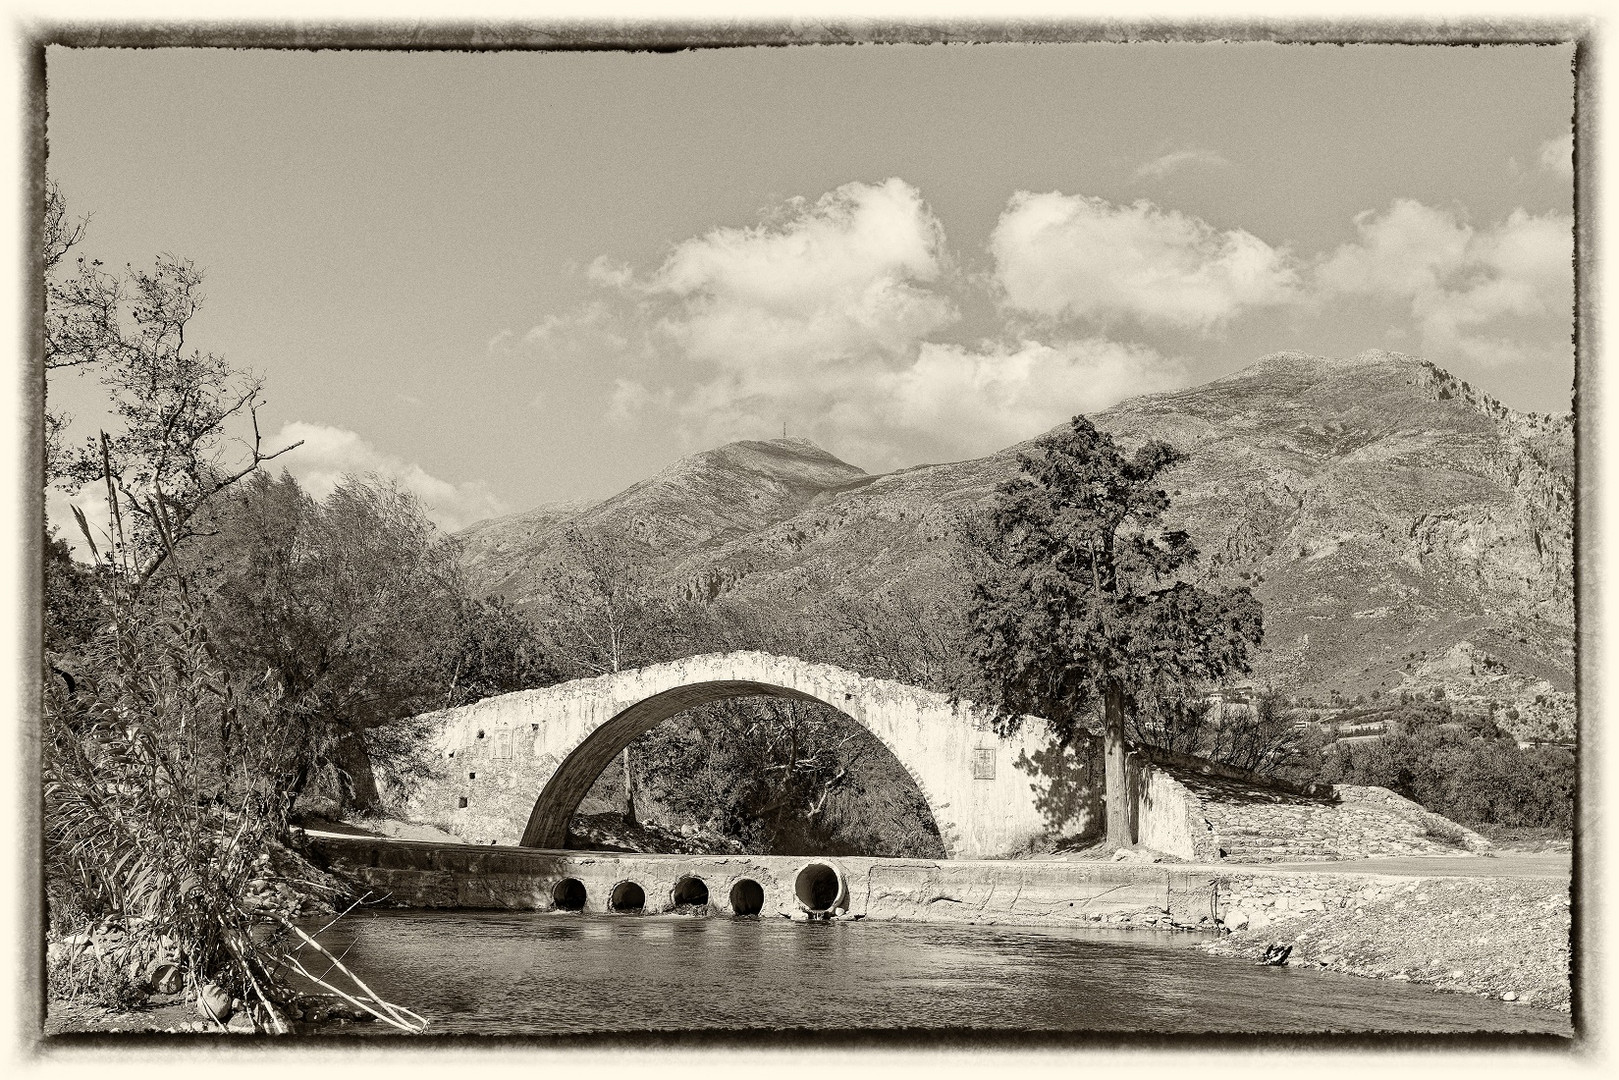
{"points": [[358, 609], [1079, 604], [186, 420], [602, 614], [161, 764]]}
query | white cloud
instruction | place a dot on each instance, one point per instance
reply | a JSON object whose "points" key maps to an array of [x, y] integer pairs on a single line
{"points": [[330, 453], [838, 280], [627, 402], [501, 344], [1074, 256], [1160, 167], [319, 465], [588, 333], [826, 316], [608, 274], [820, 318], [949, 402], [991, 398], [92, 502], [1495, 295], [1557, 155]]}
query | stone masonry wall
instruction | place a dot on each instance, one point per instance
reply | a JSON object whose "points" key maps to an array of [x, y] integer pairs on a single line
{"points": [[1208, 818], [1356, 823], [508, 762]]}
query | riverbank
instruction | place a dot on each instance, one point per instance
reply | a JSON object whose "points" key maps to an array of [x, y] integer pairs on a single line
{"points": [[1497, 937], [172, 1014]]}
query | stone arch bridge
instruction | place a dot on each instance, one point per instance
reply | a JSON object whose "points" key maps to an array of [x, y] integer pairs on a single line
{"points": [[512, 769]]}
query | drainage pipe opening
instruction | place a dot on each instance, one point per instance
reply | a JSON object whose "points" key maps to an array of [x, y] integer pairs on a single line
{"points": [[627, 896], [689, 892], [747, 897], [569, 895], [820, 887]]}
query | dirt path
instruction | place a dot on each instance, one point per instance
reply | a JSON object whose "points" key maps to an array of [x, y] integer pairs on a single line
{"points": [[1514, 865]]}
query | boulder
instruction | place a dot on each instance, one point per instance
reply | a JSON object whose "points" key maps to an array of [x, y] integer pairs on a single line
{"points": [[214, 1002]]}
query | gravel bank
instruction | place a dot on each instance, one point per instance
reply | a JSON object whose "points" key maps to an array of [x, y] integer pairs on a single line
{"points": [[1507, 939]]}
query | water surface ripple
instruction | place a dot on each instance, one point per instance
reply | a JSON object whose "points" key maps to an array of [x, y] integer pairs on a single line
{"points": [[523, 973]]}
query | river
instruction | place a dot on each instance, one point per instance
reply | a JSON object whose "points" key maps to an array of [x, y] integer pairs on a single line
{"points": [[522, 973]]}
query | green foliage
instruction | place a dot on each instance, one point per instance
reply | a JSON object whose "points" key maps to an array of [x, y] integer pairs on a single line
{"points": [[1475, 779], [83, 975], [357, 609], [1078, 593], [785, 777], [173, 731]]}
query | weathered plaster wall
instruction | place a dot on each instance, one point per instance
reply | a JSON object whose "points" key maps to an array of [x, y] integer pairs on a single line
{"points": [[1169, 816], [511, 769]]}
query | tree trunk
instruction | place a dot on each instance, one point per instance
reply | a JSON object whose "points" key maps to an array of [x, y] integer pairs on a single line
{"points": [[360, 786], [1120, 813], [629, 790]]}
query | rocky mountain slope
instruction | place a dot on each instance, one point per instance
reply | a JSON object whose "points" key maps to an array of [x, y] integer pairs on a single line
{"points": [[1383, 511]]}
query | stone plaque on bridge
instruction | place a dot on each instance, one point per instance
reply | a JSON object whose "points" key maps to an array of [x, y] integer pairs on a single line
{"points": [[984, 764]]}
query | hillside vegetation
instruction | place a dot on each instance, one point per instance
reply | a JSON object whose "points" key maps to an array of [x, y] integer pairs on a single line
{"points": [[1403, 530]]}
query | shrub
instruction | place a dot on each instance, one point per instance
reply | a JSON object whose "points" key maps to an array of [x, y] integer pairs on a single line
{"points": [[81, 975], [1475, 780]]}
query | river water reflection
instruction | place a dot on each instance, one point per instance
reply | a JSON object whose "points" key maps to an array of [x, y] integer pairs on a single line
{"points": [[521, 973]]}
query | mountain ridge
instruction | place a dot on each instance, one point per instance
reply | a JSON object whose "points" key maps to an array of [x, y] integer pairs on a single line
{"points": [[1383, 510]]}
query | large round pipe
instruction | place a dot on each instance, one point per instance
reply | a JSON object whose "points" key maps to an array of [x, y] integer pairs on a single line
{"points": [[627, 896], [568, 895], [747, 897], [821, 887], [689, 891]]}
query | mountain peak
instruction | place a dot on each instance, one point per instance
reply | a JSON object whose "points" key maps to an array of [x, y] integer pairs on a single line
{"points": [[792, 461], [788, 449], [1291, 362]]}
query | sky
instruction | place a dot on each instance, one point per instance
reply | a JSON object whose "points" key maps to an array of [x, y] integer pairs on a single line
{"points": [[515, 278]]}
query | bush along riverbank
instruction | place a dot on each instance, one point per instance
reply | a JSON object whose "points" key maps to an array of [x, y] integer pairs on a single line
{"points": [[130, 975], [1498, 938]]}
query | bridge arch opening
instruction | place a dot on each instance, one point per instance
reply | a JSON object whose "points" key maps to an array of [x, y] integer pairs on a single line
{"points": [[593, 767], [568, 895], [747, 897], [627, 897], [689, 891]]}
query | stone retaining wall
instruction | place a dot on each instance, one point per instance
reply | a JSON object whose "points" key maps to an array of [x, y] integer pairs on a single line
{"points": [[1209, 818]]}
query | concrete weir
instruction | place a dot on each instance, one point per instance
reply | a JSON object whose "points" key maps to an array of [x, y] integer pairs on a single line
{"points": [[428, 875]]}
